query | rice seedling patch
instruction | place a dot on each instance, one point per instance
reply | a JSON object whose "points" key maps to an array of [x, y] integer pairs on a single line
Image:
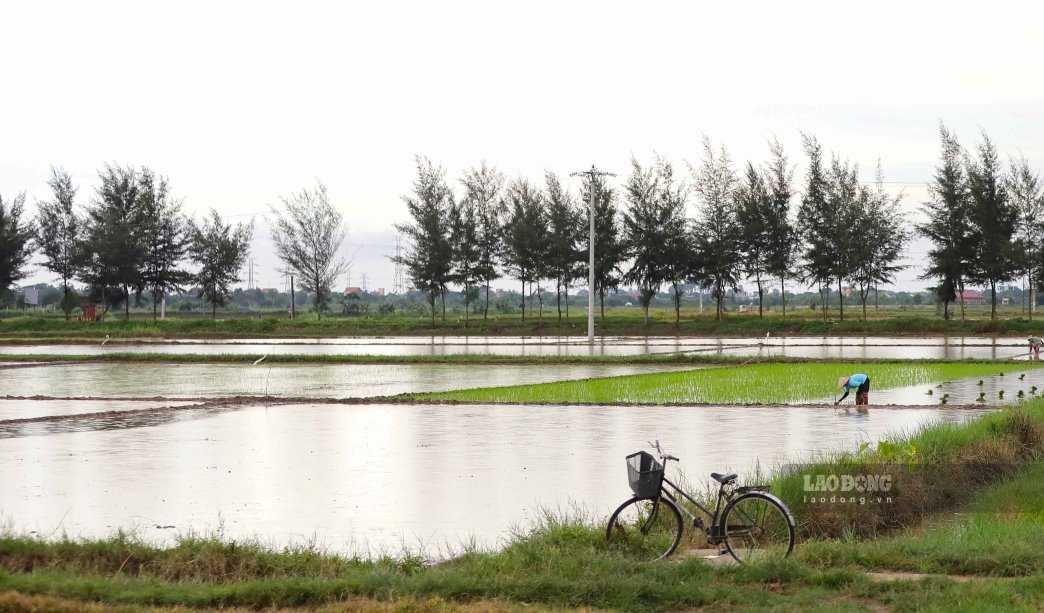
{"points": [[755, 384]]}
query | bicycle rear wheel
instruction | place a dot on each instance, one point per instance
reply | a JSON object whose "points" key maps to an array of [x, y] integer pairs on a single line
{"points": [[647, 528], [758, 527]]}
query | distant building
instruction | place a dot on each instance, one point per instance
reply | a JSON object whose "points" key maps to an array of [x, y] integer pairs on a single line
{"points": [[348, 291], [970, 297]]}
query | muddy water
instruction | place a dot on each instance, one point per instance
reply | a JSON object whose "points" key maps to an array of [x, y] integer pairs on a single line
{"points": [[313, 381], [375, 477], [820, 347], [33, 409]]}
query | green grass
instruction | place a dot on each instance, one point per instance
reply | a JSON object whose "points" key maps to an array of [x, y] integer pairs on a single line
{"points": [[618, 322], [1000, 533], [933, 470], [762, 383]]}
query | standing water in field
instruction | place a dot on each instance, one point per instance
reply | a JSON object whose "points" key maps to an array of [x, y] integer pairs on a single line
{"points": [[941, 348], [142, 379], [380, 477]]}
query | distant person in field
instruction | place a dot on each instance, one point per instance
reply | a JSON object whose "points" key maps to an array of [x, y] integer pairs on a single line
{"points": [[858, 382], [1035, 342]]}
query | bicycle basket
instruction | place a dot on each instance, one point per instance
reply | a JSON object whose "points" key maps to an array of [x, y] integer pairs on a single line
{"points": [[644, 474]]}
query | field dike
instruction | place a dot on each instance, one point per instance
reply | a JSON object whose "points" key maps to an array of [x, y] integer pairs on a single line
{"points": [[618, 322], [561, 561]]}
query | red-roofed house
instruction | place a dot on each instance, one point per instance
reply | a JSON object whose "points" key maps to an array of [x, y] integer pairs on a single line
{"points": [[970, 297], [352, 290]]}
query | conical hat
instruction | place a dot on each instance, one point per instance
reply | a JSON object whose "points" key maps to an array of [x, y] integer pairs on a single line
{"points": [[842, 381]]}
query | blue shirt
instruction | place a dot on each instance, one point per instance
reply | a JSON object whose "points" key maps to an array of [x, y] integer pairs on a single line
{"points": [[855, 381]]}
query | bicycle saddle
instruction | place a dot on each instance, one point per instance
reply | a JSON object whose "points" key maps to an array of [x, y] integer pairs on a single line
{"points": [[723, 479]]}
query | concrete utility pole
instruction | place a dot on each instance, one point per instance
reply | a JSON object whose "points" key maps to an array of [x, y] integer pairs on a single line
{"points": [[592, 175]]}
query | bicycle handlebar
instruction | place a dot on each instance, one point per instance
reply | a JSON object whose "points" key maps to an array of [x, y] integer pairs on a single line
{"points": [[663, 454]]}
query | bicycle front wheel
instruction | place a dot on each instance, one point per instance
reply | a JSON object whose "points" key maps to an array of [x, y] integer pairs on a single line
{"points": [[758, 527], [646, 528]]}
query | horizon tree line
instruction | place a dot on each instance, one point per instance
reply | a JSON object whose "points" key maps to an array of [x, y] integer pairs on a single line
{"points": [[755, 222], [132, 239], [986, 224], [744, 227]]}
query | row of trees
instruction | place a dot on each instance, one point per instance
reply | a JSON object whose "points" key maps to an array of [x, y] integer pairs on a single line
{"points": [[744, 227], [986, 223], [132, 239]]}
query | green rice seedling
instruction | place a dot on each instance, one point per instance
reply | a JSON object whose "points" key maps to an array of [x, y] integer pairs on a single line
{"points": [[1021, 394], [1000, 394], [929, 392], [981, 398], [755, 384], [980, 382], [1033, 389], [1022, 376]]}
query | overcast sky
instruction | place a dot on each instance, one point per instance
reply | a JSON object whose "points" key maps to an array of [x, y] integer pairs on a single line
{"points": [[238, 102]]}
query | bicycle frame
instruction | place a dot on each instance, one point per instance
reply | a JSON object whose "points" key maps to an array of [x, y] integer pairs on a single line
{"points": [[712, 531]]}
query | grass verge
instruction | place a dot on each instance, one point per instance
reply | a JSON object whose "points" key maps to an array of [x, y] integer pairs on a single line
{"points": [[618, 322], [761, 383]]}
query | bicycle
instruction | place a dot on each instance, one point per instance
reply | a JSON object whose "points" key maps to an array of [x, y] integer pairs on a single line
{"points": [[753, 524]]}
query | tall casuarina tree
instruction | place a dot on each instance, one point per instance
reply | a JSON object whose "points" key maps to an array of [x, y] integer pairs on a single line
{"points": [[718, 228], [525, 234], [679, 253], [994, 219], [1025, 190], [948, 224], [563, 225], [876, 253], [483, 187], [58, 232], [464, 243], [643, 234], [843, 221], [16, 240], [753, 211], [218, 250], [814, 223], [113, 247], [165, 240], [781, 237], [308, 233], [429, 256]]}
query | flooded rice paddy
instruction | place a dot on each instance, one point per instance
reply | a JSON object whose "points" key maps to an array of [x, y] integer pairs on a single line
{"points": [[380, 477], [383, 477], [287, 380], [943, 348]]}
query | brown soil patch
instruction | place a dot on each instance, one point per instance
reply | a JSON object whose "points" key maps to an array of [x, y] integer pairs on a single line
{"points": [[898, 575]]}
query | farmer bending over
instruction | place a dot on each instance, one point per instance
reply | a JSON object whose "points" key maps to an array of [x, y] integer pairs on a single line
{"points": [[858, 382], [1034, 343]]}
